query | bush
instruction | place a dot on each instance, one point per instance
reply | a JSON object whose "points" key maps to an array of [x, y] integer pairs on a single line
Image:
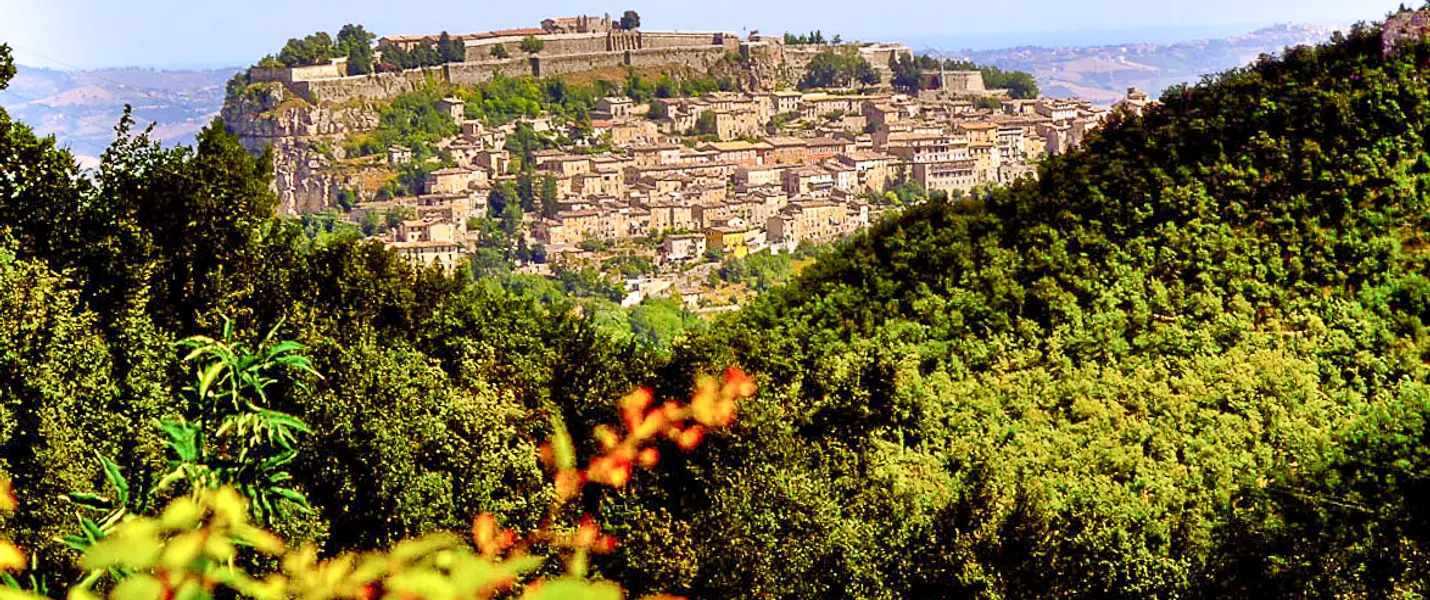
{"points": [[532, 44]]}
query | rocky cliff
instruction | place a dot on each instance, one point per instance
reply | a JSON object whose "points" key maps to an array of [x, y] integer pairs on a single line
{"points": [[305, 139]]}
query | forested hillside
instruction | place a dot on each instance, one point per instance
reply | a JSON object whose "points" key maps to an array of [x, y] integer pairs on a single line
{"points": [[434, 392], [1188, 361]]}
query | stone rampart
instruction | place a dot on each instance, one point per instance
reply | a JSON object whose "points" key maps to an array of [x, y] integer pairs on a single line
{"points": [[269, 74], [568, 43], [477, 73], [291, 74], [671, 39], [377, 86], [621, 41], [481, 50], [546, 66], [695, 58]]}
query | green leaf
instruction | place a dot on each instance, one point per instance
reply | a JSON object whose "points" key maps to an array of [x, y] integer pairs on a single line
{"points": [[116, 479], [284, 347], [86, 500], [91, 529], [292, 496], [207, 377], [563, 450]]}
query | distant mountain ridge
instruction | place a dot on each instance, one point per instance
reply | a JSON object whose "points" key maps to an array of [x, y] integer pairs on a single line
{"points": [[1103, 73], [80, 108]]}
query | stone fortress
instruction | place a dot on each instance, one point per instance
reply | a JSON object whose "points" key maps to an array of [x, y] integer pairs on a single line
{"points": [[572, 45]]}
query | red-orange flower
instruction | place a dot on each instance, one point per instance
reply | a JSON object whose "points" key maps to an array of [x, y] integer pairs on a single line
{"points": [[490, 539], [568, 483], [633, 407], [739, 384], [610, 470], [648, 458], [691, 437]]}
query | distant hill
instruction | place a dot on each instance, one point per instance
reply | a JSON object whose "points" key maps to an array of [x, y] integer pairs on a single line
{"points": [[1103, 73], [81, 107]]}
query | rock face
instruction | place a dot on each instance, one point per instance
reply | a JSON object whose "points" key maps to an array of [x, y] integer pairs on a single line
{"points": [[1404, 27], [268, 116]]}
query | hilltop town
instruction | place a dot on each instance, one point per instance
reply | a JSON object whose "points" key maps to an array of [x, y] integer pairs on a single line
{"points": [[801, 141]]}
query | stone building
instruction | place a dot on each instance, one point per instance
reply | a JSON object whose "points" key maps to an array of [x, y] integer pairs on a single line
{"points": [[808, 181], [818, 221], [453, 107], [731, 241], [612, 107], [683, 247], [446, 255], [577, 24], [872, 170], [453, 181], [1135, 102], [948, 176]]}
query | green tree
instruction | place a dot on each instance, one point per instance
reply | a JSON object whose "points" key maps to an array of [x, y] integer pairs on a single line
{"points": [[355, 43], [838, 69], [532, 44], [908, 74], [452, 50], [630, 20], [550, 197], [360, 61], [499, 51], [7, 66], [314, 49], [705, 123]]}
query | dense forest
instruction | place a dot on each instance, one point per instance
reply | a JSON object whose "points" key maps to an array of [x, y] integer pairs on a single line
{"points": [[1189, 360]]}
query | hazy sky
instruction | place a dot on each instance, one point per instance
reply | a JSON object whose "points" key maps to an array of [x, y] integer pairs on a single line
{"points": [[175, 33]]}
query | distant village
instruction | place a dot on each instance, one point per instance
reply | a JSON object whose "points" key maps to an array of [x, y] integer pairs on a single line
{"points": [[772, 169]]}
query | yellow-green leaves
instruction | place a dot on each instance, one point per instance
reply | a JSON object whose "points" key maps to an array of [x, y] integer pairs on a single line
{"points": [[571, 588], [139, 587]]}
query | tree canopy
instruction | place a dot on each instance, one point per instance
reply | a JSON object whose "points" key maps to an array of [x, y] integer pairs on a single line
{"points": [[532, 44], [630, 20], [838, 69]]}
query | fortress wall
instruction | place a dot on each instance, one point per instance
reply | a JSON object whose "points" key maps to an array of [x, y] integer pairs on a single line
{"points": [[325, 71], [670, 39], [292, 74], [267, 74], [378, 86], [481, 50], [621, 41], [547, 66], [567, 43], [700, 58], [797, 58], [476, 73], [556, 44]]}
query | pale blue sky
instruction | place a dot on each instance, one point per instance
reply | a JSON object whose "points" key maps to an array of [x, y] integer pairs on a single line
{"points": [[169, 33]]}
